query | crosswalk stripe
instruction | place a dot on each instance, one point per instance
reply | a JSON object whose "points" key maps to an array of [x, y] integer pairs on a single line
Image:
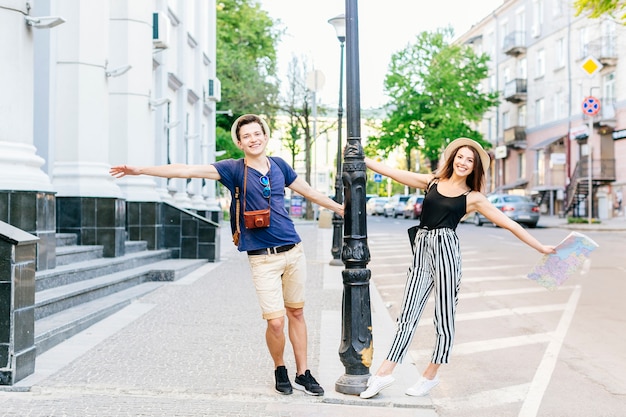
{"points": [[488, 345], [484, 399], [489, 314]]}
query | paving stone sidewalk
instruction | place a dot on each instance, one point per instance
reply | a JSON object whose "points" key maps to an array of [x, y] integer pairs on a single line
{"points": [[196, 347]]}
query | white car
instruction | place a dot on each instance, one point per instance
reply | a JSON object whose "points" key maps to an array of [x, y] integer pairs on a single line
{"points": [[375, 206], [395, 205]]}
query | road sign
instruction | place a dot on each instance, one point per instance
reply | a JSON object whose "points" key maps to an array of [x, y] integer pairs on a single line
{"points": [[378, 177], [591, 65], [591, 106]]}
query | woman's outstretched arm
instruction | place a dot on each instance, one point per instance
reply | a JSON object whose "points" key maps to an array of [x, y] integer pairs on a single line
{"points": [[411, 179]]}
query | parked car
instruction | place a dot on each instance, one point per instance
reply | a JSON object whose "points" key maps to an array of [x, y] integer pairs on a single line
{"points": [[413, 207], [395, 205], [375, 206], [518, 207]]}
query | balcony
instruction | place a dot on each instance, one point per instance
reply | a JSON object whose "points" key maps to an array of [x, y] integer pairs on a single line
{"points": [[603, 49], [514, 44], [515, 137], [515, 91], [606, 117]]}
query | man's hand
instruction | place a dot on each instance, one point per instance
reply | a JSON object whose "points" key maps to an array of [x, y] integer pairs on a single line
{"points": [[120, 171]]}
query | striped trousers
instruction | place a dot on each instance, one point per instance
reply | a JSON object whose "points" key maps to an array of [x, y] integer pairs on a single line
{"points": [[436, 266]]}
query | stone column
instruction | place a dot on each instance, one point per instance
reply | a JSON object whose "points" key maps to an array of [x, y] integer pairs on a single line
{"points": [[89, 202], [26, 193], [132, 138]]}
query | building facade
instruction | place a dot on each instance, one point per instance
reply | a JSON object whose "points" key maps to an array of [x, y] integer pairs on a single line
{"points": [[87, 85], [557, 132]]}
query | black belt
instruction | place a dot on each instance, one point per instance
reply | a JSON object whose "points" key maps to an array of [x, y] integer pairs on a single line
{"points": [[270, 251]]}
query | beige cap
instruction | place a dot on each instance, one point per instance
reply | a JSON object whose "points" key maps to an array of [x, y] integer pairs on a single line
{"points": [[460, 142]]}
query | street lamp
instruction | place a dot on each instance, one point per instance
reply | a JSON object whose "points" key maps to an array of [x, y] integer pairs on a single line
{"points": [[339, 23], [356, 349]]}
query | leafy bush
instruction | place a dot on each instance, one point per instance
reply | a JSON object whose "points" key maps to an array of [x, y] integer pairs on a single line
{"points": [[582, 220]]}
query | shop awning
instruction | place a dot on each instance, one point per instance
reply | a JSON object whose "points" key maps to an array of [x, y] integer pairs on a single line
{"points": [[544, 144], [521, 183]]}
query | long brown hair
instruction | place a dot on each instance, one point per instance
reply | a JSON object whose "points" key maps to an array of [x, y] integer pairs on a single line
{"points": [[475, 180]]}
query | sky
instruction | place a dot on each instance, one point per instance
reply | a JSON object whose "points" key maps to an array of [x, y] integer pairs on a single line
{"points": [[385, 27]]}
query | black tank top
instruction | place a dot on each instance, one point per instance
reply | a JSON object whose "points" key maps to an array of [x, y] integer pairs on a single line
{"points": [[439, 211]]}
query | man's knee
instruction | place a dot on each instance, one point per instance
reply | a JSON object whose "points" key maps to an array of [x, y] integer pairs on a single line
{"points": [[276, 325], [295, 313]]}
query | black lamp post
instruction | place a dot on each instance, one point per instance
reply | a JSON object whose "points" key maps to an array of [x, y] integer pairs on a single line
{"points": [[356, 349], [339, 23]]}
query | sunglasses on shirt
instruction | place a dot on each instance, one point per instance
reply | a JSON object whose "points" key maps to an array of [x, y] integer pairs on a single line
{"points": [[265, 182]]}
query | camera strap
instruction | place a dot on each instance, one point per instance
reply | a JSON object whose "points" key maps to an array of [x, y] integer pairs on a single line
{"points": [[245, 182]]}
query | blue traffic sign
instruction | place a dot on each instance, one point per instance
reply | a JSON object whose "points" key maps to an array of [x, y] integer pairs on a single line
{"points": [[378, 177], [591, 106]]}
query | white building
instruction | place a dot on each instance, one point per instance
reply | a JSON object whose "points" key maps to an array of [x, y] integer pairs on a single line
{"points": [[87, 85], [545, 62]]}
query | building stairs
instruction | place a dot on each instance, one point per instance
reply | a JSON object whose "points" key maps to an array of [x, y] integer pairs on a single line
{"points": [[85, 287]]}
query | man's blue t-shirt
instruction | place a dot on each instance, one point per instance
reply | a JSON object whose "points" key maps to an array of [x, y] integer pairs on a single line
{"points": [[281, 231]]}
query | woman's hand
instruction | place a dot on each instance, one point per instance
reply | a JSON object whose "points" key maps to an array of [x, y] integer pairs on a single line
{"points": [[547, 249]]}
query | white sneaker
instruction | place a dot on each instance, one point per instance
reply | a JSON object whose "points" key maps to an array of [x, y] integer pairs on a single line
{"points": [[376, 384], [423, 387]]}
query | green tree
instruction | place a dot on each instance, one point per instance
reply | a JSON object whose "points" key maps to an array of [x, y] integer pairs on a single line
{"points": [[246, 65], [598, 8], [435, 96], [298, 104]]}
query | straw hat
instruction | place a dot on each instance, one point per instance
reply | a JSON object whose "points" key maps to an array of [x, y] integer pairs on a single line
{"points": [[233, 129], [460, 142]]}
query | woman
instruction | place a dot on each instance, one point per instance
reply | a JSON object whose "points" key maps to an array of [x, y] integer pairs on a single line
{"points": [[451, 193]]}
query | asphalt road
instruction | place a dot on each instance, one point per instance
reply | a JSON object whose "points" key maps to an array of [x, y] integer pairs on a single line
{"points": [[520, 349]]}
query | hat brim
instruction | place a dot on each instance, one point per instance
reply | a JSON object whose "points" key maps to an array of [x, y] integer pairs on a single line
{"points": [[460, 142], [233, 128]]}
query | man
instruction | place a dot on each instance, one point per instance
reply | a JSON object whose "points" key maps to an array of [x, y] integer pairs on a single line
{"points": [[274, 247]]}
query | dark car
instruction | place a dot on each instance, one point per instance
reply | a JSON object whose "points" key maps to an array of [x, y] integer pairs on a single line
{"points": [[395, 205], [413, 207], [518, 207]]}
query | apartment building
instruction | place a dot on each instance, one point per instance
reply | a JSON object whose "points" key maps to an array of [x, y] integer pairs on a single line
{"points": [[558, 131]]}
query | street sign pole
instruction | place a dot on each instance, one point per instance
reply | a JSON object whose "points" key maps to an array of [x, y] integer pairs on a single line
{"points": [[589, 170], [591, 107]]}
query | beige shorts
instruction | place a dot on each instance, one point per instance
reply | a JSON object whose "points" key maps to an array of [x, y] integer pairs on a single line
{"points": [[279, 280]]}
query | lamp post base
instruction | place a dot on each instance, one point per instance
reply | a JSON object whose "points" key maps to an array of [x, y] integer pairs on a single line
{"points": [[336, 262], [351, 384]]}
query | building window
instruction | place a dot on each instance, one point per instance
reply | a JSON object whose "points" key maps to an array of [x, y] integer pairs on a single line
{"points": [[608, 96], [504, 31], [608, 82], [559, 105], [522, 68], [541, 167], [560, 53], [491, 45], [492, 129], [539, 112], [521, 165], [506, 120], [583, 37], [608, 38], [559, 8], [537, 18], [521, 115], [541, 63], [506, 75]]}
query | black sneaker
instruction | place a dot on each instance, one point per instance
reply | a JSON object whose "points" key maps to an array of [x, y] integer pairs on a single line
{"points": [[283, 386], [308, 384]]}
